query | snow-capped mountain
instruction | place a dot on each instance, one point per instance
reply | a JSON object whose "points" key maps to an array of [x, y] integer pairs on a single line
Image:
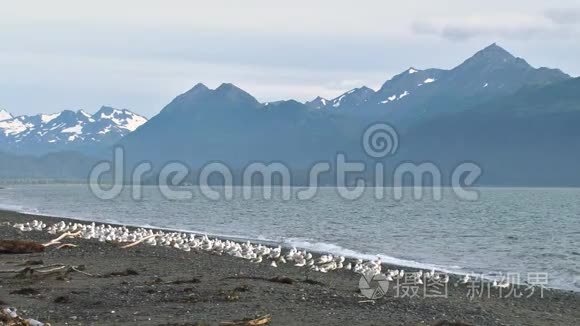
{"points": [[416, 94], [354, 98], [406, 84], [5, 115], [318, 103], [66, 130], [396, 89]]}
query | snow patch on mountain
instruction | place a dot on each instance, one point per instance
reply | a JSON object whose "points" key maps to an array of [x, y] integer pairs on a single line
{"points": [[78, 129], [14, 126], [318, 103], [353, 98], [131, 123], [46, 118], [85, 114], [339, 100], [5, 115]]}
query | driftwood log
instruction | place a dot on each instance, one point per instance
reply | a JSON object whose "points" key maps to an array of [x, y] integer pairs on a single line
{"points": [[264, 320], [28, 247], [20, 247]]}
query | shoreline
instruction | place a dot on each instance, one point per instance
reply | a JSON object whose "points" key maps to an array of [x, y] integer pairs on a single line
{"points": [[285, 245], [417, 265], [9, 182], [172, 286]]}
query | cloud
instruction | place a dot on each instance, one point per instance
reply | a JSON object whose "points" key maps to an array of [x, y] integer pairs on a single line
{"points": [[263, 48], [562, 16], [506, 26]]}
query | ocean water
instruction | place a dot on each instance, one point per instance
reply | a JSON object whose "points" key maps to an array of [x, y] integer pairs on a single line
{"points": [[507, 230]]}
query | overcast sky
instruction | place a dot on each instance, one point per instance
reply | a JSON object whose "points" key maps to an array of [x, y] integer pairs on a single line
{"points": [[140, 54]]}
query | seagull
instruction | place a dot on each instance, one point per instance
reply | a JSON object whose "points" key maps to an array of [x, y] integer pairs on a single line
{"points": [[257, 260], [302, 263], [256, 253], [465, 279]]}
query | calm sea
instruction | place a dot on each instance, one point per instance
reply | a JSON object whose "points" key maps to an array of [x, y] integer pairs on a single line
{"points": [[507, 230]]}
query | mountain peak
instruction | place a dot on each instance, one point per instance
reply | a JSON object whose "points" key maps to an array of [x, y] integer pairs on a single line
{"points": [[229, 87], [494, 51], [363, 90], [492, 58], [5, 115], [354, 97], [199, 88], [105, 110], [412, 70], [318, 99], [493, 47], [317, 103], [235, 93]]}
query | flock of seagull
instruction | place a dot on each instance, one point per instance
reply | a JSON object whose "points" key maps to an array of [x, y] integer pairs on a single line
{"points": [[256, 253]]}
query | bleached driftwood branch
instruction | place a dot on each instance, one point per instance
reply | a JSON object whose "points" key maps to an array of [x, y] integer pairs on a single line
{"points": [[62, 236], [138, 242]]}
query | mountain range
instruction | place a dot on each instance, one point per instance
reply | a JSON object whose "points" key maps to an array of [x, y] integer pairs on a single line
{"points": [[495, 109], [415, 94], [66, 130]]}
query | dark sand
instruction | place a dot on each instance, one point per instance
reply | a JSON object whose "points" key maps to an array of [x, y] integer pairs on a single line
{"points": [[173, 287]]}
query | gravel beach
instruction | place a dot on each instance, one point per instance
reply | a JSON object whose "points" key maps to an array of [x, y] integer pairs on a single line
{"points": [[146, 285]]}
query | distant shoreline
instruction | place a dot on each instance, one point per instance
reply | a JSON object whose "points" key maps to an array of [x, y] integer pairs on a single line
{"points": [[6, 182]]}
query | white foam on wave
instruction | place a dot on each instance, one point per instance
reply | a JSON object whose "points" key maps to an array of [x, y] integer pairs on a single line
{"points": [[197, 232], [20, 209], [97, 220], [323, 247]]}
